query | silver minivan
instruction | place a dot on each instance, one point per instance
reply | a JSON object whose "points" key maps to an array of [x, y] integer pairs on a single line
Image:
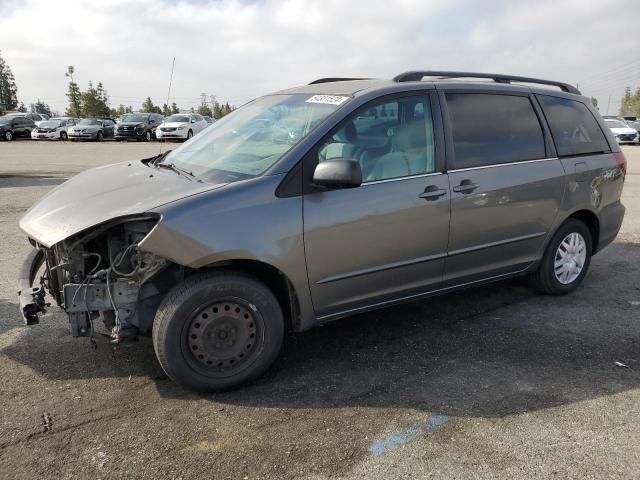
{"points": [[325, 200]]}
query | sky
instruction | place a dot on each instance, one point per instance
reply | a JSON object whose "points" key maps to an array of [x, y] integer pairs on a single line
{"points": [[240, 49]]}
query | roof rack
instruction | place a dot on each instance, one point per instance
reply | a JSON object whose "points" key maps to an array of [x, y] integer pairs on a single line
{"points": [[418, 75], [334, 79]]}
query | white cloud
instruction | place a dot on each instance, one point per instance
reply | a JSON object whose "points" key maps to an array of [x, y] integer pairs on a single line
{"points": [[238, 49]]}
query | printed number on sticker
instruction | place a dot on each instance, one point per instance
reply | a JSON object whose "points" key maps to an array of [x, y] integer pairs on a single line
{"points": [[329, 99]]}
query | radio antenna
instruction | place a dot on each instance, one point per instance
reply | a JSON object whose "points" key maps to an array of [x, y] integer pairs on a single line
{"points": [[173, 64]]}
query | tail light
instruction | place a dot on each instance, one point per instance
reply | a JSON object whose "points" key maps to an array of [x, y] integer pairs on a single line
{"points": [[621, 161]]}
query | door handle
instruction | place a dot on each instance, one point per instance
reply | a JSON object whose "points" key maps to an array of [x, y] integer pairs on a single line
{"points": [[466, 186], [432, 192]]}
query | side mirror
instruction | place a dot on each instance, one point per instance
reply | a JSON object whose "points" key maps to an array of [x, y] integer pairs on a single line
{"points": [[193, 120], [338, 173]]}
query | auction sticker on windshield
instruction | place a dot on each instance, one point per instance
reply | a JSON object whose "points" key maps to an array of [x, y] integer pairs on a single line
{"points": [[329, 99]]}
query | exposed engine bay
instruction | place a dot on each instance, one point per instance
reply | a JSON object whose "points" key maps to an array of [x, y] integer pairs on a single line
{"points": [[103, 275]]}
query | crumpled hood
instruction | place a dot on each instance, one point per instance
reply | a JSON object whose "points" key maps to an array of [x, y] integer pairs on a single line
{"points": [[105, 193]]}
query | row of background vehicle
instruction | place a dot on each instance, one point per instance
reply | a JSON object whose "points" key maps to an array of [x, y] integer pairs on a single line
{"points": [[626, 130], [132, 126]]}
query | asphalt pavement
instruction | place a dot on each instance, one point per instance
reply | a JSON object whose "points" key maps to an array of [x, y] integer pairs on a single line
{"points": [[492, 382]]}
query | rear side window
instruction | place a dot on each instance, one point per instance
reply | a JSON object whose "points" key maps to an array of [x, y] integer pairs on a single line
{"points": [[575, 130], [491, 129]]}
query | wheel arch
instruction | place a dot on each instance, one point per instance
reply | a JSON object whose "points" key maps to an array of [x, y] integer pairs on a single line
{"points": [[592, 222], [274, 279]]}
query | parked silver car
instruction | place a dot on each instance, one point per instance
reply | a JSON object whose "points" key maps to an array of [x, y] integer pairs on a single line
{"points": [[322, 201], [92, 129]]}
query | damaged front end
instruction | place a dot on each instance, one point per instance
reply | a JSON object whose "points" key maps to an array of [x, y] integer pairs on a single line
{"points": [[100, 275]]}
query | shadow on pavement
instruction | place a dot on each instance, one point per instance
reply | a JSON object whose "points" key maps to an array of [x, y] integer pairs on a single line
{"points": [[490, 351], [14, 181]]}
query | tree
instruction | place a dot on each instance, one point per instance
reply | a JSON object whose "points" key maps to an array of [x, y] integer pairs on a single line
{"points": [[74, 95], [205, 110], [149, 107], [121, 110], [630, 105], [8, 88], [174, 108], [41, 107], [226, 109], [93, 102], [102, 94], [22, 108], [166, 110], [217, 111]]}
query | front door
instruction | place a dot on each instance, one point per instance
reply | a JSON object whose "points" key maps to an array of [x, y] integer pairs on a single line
{"points": [[386, 239], [506, 185]]}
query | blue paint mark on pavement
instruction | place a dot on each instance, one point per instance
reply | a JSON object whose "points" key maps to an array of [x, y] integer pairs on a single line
{"points": [[405, 436]]}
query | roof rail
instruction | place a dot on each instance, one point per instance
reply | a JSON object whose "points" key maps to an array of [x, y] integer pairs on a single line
{"points": [[334, 79], [418, 75]]}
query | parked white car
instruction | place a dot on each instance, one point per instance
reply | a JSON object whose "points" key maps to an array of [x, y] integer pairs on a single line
{"points": [[622, 131], [181, 126], [53, 129]]}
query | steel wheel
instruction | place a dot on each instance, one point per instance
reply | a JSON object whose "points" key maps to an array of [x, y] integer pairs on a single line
{"points": [[223, 338], [570, 258], [217, 330]]}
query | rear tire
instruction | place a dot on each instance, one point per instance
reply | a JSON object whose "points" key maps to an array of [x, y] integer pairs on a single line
{"points": [[217, 330], [566, 259], [99, 137]]}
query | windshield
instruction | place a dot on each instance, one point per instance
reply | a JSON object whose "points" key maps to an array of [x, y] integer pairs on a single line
{"points": [[134, 118], [177, 118], [248, 141], [616, 124], [90, 121], [51, 123]]}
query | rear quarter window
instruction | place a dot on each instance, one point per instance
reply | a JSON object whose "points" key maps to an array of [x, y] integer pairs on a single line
{"points": [[490, 129], [574, 129]]}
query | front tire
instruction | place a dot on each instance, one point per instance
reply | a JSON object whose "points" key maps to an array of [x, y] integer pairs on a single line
{"points": [[147, 136], [63, 136], [8, 135], [99, 137], [218, 330], [566, 259]]}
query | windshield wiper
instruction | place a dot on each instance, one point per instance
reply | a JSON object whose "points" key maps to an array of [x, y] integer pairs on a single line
{"points": [[178, 170], [159, 158]]}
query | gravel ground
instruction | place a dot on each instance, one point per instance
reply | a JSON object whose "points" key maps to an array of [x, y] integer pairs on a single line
{"points": [[493, 382]]}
